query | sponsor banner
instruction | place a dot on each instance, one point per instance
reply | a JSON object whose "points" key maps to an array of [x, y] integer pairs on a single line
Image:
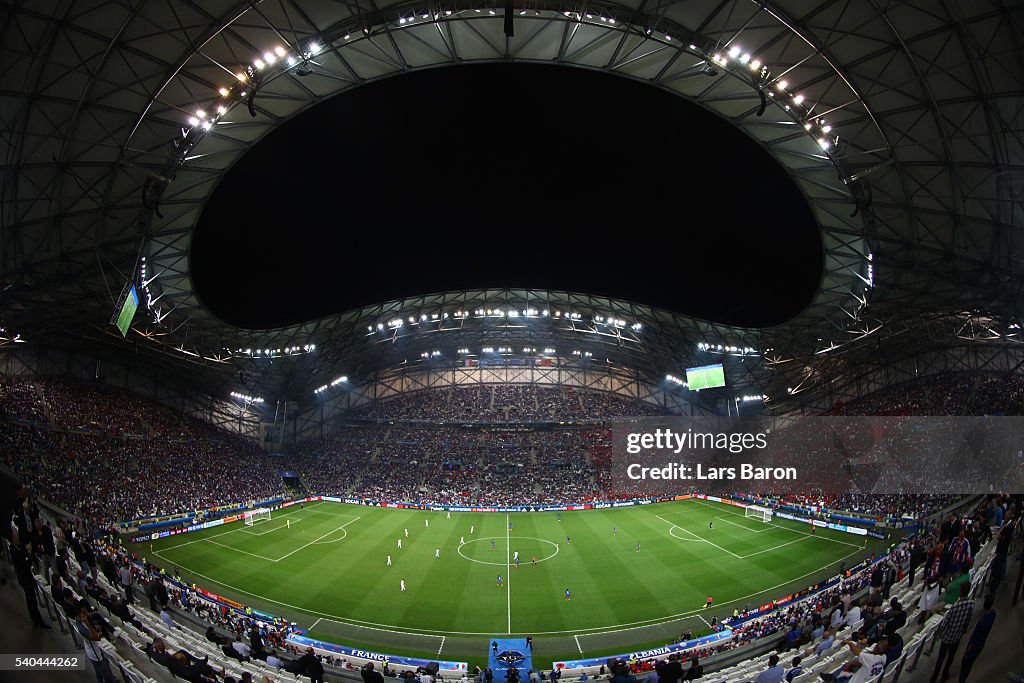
{"points": [[216, 598], [304, 642], [655, 653], [331, 499]]}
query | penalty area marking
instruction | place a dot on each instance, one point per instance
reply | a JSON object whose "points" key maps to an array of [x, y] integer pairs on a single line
{"points": [[689, 540], [785, 528], [738, 557], [263, 533], [753, 531], [344, 535], [302, 547], [498, 538]]}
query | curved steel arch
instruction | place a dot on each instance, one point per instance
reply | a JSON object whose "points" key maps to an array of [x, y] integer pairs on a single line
{"points": [[921, 98]]}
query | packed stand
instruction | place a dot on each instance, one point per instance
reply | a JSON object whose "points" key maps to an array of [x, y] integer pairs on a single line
{"points": [[947, 394], [508, 403]]}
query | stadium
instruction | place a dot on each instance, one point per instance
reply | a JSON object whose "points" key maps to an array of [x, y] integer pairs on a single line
{"points": [[357, 341]]}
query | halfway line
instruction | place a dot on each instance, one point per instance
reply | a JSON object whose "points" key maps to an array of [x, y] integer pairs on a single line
{"points": [[508, 573]]}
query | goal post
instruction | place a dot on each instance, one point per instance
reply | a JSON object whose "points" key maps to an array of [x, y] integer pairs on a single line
{"points": [[757, 512], [257, 515]]}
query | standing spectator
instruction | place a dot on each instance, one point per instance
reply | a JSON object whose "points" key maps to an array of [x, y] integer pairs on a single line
{"points": [[21, 558], [951, 630], [47, 550], [917, 557], [976, 643], [124, 575]]}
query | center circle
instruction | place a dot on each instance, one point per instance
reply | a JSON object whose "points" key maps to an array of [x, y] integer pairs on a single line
{"points": [[523, 558]]}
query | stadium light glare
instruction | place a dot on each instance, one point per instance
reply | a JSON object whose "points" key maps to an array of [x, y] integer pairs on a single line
{"points": [[799, 99], [279, 51], [744, 58], [734, 51], [755, 65], [259, 64], [269, 58], [224, 92], [193, 121], [826, 129]]}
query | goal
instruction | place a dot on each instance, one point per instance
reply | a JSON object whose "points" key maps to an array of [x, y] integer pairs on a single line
{"points": [[257, 515], [763, 514]]}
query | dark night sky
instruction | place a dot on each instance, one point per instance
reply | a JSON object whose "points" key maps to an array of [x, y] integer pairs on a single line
{"points": [[506, 175]]}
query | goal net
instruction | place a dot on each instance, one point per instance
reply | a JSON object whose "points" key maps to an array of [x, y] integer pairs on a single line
{"points": [[763, 514], [257, 515]]}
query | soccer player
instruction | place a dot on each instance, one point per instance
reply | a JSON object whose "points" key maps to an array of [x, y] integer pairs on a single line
{"points": [[517, 563], [288, 523], [516, 555], [437, 552], [462, 540], [510, 526], [449, 514], [568, 595], [399, 544], [567, 541], [472, 528], [559, 516], [711, 525], [534, 560], [492, 546], [615, 531], [707, 605], [389, 560], [499, 580], [426, 523], [407, 533], [403, 584], [638, 546]]}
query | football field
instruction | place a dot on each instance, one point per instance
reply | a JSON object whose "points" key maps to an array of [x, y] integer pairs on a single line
{"points": [[637, 576]]}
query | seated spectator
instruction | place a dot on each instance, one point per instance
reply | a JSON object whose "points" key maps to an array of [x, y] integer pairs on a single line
{"points": [[774, 672]]}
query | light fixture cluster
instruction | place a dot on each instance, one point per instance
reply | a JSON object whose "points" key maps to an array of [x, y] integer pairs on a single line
{"points": [[275, 353], [247, 398], [507, 313], [583, 354], [778, 90], [335, 382], [593, 18], [279, 57], [430, 354], [10, 337], [752, 397], [676, 380], [732, 350]]}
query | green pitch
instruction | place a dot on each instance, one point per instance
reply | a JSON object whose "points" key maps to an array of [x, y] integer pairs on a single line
{"points": [[325, 567]]}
